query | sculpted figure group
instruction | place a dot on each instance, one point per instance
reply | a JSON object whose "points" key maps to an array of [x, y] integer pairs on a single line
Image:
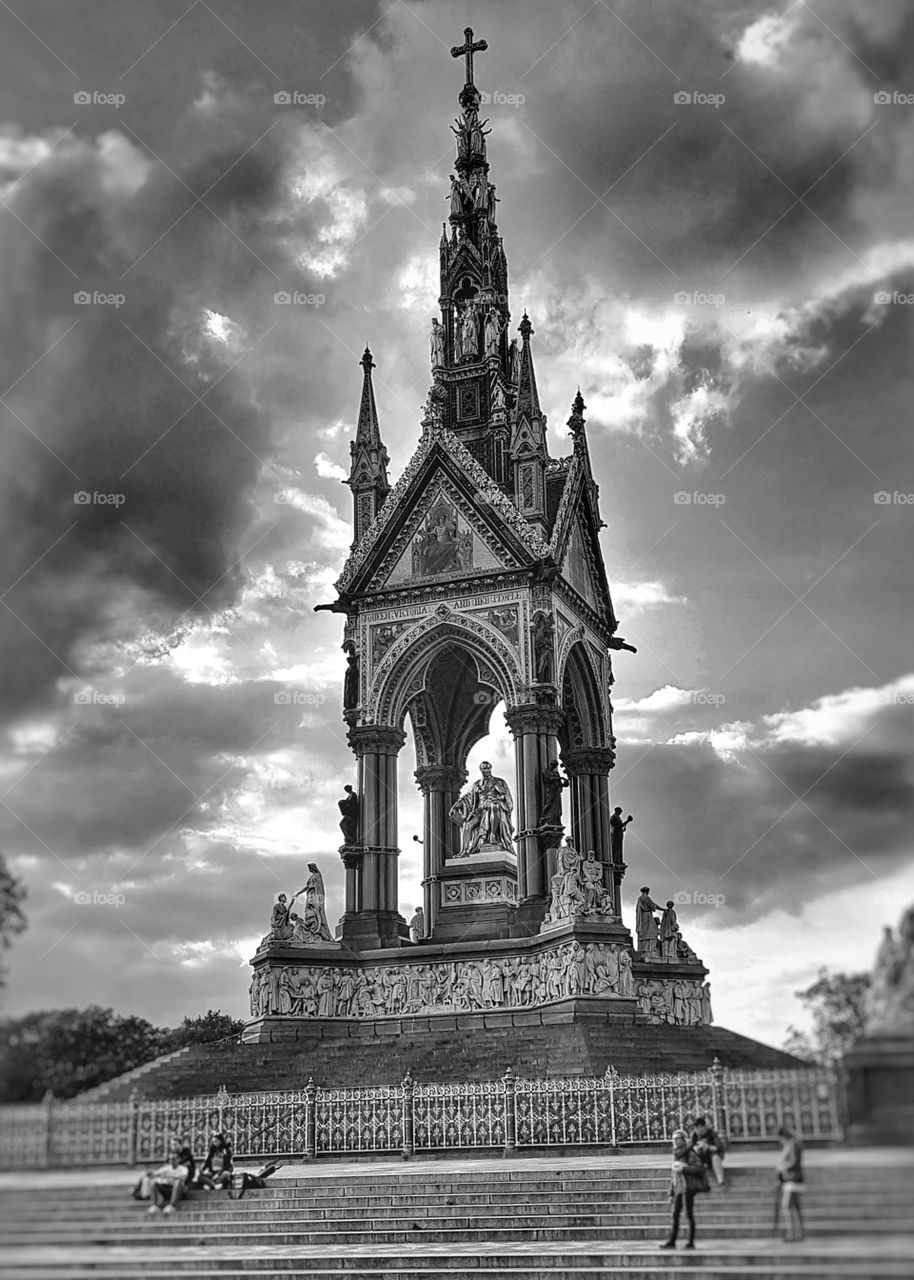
{"points": [[659, 939], [310, 928], [577, 885], [512, 982], [685, 1004]]}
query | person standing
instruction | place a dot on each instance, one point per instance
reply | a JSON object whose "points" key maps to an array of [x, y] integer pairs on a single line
{"points": [[710, 1147], [688, 1179], [790, 1175]]}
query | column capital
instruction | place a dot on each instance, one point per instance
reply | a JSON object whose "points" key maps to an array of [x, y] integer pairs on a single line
{"points": [[440, 777], [534, 719], [593, 760], [379, 739]]}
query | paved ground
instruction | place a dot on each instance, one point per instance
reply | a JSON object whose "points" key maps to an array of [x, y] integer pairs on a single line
{"points": [[746, 1157]]}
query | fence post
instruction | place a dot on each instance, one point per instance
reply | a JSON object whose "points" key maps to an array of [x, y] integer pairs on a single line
{"points": [[510, 1116], [610, 1080], [718, 1097], [310, 1119], [48, 1103], [408, 1092], [134, 1125]]}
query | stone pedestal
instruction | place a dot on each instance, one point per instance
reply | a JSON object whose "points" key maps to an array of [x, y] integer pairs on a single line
{"points": [[476, 897], [880, 1090]]}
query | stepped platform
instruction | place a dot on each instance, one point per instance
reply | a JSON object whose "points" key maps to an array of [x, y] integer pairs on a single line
{"points": [[556, 1042], [529, 1219]]}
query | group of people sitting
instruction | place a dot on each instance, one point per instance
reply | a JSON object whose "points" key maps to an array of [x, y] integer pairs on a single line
{"points": [[694, 1155], [166, 1185]]}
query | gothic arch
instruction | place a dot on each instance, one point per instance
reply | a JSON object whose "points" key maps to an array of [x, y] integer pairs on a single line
{"points": [[402, 674], [582, 699]]}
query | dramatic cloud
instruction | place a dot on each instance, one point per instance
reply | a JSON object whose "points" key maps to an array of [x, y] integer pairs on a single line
{"points": [[728, 278]]}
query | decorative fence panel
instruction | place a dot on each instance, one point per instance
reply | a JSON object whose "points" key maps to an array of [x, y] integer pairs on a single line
{"points": [[494, 1115]]}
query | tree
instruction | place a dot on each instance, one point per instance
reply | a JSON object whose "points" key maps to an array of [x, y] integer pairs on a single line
{"points": [[206, 1028], [69, 1050], [12, 919], [835, 1003]]}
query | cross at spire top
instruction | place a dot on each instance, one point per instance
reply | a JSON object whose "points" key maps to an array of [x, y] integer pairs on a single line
{"points": [[468, 48]]}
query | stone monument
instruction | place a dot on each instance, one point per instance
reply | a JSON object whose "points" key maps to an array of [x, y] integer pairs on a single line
{"points": [[477, 579], [880, 1066]]}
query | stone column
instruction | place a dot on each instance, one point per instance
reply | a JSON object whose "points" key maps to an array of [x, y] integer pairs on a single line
{"points": [[588, 772], [441, 786], [535, 730], [376, 921]]}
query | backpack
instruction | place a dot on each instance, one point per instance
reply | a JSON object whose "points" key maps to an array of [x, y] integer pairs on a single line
{"points": [[255, 1181]]}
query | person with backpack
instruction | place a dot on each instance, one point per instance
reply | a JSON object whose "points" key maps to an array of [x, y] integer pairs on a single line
{"points": [[710, 1146], [689, 1178], [790, 1176]]}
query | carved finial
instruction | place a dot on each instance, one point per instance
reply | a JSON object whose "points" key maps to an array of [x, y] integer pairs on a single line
{"points": [[576, 421], [525, 328], [366, 361], [467, 49]]}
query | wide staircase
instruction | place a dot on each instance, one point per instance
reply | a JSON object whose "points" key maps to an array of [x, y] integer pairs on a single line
{"points": [[341, 1054], [585, 1218]]}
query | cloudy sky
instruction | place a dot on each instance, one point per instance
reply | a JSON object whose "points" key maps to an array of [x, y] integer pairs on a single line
{"points": [[706, 210]]}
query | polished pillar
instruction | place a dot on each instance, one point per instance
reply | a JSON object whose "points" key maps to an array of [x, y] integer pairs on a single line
{"points": [[535, 730], [440, 786], [588, 772], [375, 920]]}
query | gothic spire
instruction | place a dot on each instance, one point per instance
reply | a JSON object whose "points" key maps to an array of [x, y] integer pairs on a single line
{"points": [[528, 401], [368, 472]]}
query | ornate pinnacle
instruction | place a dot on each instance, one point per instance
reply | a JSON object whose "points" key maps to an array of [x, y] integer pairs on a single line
{"points": [[525, 328], [366, 361], [576, 421]]}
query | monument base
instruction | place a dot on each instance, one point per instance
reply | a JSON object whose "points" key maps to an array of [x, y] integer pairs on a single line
{"points": [[880, 1090]]}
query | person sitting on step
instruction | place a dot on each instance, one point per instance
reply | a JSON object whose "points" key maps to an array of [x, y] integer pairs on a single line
{"points": [[688, 1178], [168, 1183], [218, 1167]]}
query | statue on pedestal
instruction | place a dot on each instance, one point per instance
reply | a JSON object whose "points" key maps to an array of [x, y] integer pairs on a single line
{"points": [[592, 879], [349, 823], [281, 920], [492, 331], [417, 925], [436, 343], [617, 834], [646, 928], [313, 925], [468, 346], [543, 656], [351, 680], [890, 1000], [484, 814], [669, 933], [553, 783]]}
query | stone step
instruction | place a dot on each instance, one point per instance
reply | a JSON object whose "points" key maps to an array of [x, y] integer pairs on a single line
{"points": [[168, 1231]]}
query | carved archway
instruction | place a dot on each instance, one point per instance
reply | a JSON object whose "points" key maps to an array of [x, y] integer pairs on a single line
{"points": [[582, 700]]}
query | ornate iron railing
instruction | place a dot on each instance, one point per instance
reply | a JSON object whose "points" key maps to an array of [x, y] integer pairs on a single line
{"points": [[611, 1110]]}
